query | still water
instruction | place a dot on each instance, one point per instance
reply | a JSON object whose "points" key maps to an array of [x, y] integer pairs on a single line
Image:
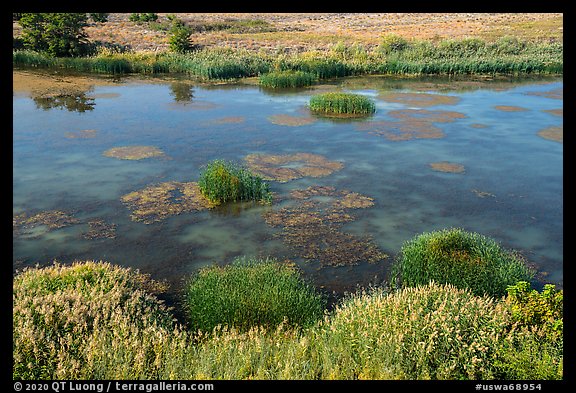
{"points": [[485, 156]]}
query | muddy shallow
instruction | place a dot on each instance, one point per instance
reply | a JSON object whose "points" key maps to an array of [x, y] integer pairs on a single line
{"points": [[347, 193]]}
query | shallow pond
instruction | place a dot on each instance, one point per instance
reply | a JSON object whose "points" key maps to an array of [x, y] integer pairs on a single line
{"points": [[108, 172]]}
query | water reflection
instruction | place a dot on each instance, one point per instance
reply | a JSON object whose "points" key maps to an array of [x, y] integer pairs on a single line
{"points": [[72, 102]]}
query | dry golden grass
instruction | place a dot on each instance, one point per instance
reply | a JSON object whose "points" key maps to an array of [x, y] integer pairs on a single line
{"points": [[306, 31]]}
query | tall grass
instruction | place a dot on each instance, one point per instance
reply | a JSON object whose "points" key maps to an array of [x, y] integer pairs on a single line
{"points": [[342, 104], [395, 55], [57, 310], [249, 293], [287, 79], [223, 181], [95, 321], [464, 259]]}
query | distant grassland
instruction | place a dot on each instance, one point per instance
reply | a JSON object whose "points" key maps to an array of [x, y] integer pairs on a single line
{"points": [[395, 55]]}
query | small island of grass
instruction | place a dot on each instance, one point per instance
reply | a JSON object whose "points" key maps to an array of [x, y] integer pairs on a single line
{"points": [[342, 104]]}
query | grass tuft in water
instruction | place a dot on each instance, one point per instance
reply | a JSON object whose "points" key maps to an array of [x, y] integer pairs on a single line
{"points": [[249, 293], [467, 260], [223, 181], [287, 79], [342, 104]]}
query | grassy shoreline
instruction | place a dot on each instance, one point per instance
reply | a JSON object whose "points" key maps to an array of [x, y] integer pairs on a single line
{"points": [[394, 55]]}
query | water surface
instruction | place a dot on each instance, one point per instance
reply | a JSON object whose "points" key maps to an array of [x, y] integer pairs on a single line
{"points": [[508, 186]]}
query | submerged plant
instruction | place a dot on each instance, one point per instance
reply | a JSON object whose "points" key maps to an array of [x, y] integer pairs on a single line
{"points": [[223, 181], [133, 152], [286, 167], [249, 293], [347, 104], [464, 259]]}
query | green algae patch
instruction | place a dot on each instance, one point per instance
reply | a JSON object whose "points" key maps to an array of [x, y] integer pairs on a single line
{"points": [[286, 167], [419, 99], [555, 134], [510, 108], [288, 120], [36, 225], [83, 134], [133, 152], [312, 226], [449, 167], [160, 201]]}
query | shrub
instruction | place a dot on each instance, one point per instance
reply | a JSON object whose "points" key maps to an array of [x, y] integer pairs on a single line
{"points": [[464, 259], [342, 104], [58, 34], [179, 41], [223, 181], [287, 79], [145, 17], [428, 332], [248, 293], [531, 308], [392, 43], [99, 17], [59, 311]]}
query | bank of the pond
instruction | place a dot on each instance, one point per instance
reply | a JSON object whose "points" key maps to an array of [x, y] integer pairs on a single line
{"points": [[99, 321], [396, 56]]}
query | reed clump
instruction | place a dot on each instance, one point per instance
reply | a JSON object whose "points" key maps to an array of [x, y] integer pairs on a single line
{"points": [[287, 79], [464, 259], [342, 104], [249, 293], [224, 181]]}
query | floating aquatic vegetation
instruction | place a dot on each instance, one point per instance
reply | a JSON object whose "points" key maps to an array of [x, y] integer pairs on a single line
{"points": [[100, 229], [157, 202], [402, 130], [288, 120], [419, 99], [412, 124], [312, 226], [510, 108], [449, 167], [557, 94], [553, 133], [483, 194], [342, 199], [83, 134], [431, 116], [556, 112], [230, 120], [50, 219], [478, 125], [286, 167], [133, 152]]}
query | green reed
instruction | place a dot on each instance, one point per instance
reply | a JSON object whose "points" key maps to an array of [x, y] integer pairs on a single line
{"points": [[95, 321], [464, 259], [287, 79], [342, 104], [248, 293], [395, 55], [223, 181]]}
